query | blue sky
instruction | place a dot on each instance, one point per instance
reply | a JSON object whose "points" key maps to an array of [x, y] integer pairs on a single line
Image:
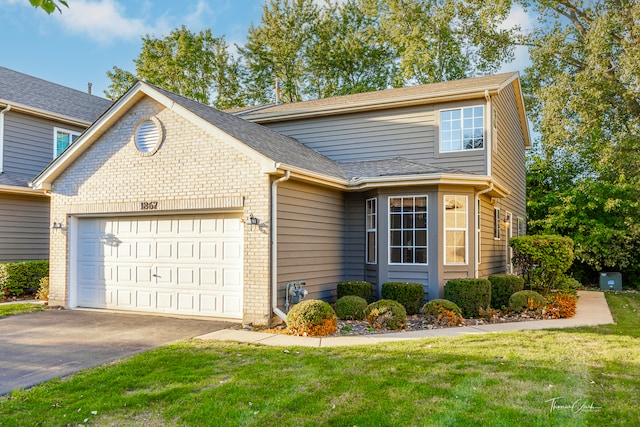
{"points": [[86, 40]]}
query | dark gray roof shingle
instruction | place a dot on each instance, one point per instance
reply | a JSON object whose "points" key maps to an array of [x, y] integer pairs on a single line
{"points": [[393, 167], [12, 179], [43, 95], [271, 144]]}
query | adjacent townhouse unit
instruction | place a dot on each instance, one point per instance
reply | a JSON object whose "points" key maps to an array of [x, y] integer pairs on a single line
{"points": [[38, 120], [168, 205]]}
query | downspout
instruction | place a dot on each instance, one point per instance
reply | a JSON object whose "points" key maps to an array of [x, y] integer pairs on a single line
{"points": [[7, 108], [489, 125], [274, 245], [477, 251]]}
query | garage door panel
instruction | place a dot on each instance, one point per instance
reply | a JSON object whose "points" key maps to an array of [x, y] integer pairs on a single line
{"points": [[183, 264]]}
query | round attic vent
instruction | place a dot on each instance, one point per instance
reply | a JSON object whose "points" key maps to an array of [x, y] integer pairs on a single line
{"points": [[148, 136]]}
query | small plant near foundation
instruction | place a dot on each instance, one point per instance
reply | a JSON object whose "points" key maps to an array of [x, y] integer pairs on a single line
{"points": [[351, 307], [386, 313], [355, 287], [311, 317], [561, 305], [442, 312], [43, 290], [526, 300]]}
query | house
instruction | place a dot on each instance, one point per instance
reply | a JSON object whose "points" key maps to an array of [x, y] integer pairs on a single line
{"points": [[168, 205], [38, 119]]}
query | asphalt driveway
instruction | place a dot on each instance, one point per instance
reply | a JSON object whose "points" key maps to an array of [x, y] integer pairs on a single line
{"points": [[37, 347]]}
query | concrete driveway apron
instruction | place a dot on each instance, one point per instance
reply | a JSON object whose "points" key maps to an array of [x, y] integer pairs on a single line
{"points": [[37, 347]]}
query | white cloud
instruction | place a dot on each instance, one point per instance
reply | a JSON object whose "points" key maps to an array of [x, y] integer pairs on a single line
{"points": [[103, 21], [518, 17]]}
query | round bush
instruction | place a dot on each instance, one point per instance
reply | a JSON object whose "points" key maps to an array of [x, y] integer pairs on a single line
{"points": [[351, 307], [502, 287], [568, 284], [470, 295], [410, 295], [442, 312], [312, 317], [526, 300], [386, 313], [355, 287]]}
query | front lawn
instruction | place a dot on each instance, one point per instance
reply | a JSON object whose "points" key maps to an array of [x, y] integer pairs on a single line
{"points": [[577, 377], [19, 308]]}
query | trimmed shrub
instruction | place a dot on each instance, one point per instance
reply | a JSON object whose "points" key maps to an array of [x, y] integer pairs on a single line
{"points": [[20, 277], [312, 317], [351, 307], [469, 294], [526, 300], [542, 259], [502, 287], [442, 312], [43, 290], [410, 295], [386, 313], [356, 287], [568, 284]]}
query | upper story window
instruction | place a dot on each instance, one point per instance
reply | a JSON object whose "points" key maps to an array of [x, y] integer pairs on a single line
{"points": [[62, 138], [408, 230], [462, 129]]}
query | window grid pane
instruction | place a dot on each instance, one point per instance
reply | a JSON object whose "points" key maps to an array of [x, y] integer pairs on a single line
{"points": [[462, 129], [372, 232], [408, 230], [455, 233]]}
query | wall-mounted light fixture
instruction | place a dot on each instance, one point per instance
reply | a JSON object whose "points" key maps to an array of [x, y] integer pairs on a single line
{"points": [[252, 220], [58, 226]]}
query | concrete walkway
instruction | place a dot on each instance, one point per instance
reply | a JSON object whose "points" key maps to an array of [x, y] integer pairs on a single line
{"points": [[591, 310]]}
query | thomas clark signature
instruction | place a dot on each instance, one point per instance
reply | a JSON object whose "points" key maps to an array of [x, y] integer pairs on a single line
{"points": [[579, 405]]}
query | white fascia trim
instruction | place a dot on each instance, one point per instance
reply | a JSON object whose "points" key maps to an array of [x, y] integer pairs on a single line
{"points": [[22, 190], [438, 179], [372, 105], [45, 114], [314, 177]]}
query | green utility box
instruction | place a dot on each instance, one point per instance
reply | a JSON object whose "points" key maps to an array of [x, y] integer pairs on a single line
{"points": [[611, 281]]}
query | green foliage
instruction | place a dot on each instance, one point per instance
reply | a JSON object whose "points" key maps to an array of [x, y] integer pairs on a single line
{"points": [[442, 312], [542, 259], [311, 317], [526, 300], [410, 295], [584, 180], [195, 65], [351, 307], [502, 287], [355, 287], [386, 313], [568, 285], [18, 277], [43, 289], [434, 306], [469, 294], [48, 6]]}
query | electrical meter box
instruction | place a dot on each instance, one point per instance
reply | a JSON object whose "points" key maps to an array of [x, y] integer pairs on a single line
{"points": [[611, 281]]}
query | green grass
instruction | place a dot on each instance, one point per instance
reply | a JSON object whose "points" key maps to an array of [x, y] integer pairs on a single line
{"points": [[491, 379], [18, 308]]}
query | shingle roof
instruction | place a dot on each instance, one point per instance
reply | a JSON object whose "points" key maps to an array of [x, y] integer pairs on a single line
{"points": [[271, 144], [40, 94], [388, 95], [393, 167], [15, 179]]}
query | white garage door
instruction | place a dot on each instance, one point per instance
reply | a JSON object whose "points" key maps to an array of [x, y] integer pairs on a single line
{"points": [[173, 264]]}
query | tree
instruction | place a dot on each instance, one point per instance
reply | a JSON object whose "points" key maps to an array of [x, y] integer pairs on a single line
{"points": [[197, 66], [48, 6], [584, 84]]}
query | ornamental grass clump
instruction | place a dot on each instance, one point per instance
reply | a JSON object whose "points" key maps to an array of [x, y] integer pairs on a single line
{"points": [[386, 313], [311, 317], [351, 307], [442, 312], [410, 295], [526, 301]]}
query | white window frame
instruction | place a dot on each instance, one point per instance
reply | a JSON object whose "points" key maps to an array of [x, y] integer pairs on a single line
{"points": [[462, 149], [496, 224], [71, 134], [455, 228], [371, 227], [402, 229]]}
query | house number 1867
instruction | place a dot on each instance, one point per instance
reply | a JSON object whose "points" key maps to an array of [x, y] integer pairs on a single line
{"points": [[148, 206]]}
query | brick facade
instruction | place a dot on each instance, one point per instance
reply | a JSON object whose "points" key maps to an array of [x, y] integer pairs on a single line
{"points": [[192, 172]]}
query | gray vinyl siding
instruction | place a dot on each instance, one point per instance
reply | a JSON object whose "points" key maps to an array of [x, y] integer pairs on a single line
{"points": [[24, 227], [355, 244], [492, 251], [310, 239], [28, 143], [410, 132]]}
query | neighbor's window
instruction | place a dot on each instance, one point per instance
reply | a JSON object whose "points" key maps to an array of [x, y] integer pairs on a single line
{"points": [[62, 138], [455, 229], [521, 227], [462, 129], [496, 223], [408, 230], [372, 231]]}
